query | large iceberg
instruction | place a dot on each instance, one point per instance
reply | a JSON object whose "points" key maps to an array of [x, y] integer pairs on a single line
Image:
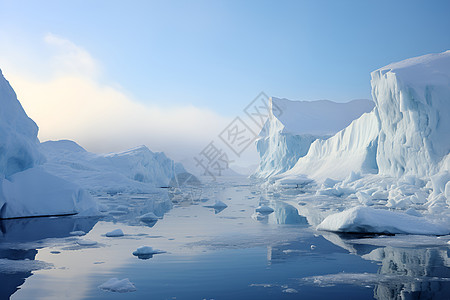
{"points": [[396, 156], [293, 126], [27, 190], [134, 170], [407, 133]]}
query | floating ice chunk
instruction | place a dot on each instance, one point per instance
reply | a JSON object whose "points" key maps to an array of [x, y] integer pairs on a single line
{"points": [[78, 233], [117, 285], [218, 204], [146, 252], [290, 291], [264, 209], [86, 243], [149, 218], [369, 220], [115, 233]]}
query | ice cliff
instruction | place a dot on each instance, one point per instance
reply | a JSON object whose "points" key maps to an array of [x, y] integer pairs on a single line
{"points": [[25, 188], [294, 125], [134, 170]]}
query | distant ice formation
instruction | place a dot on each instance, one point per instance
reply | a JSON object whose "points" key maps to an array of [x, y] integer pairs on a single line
{"points": [[134, 170], [294, 125]]}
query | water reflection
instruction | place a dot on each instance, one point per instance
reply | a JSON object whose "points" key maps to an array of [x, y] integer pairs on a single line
{"points": [[405, 272], [20, 239], [128, 208]]}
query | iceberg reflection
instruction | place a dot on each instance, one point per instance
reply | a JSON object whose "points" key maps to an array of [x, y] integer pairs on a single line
{"points": [[408, 272], [19, 241]]}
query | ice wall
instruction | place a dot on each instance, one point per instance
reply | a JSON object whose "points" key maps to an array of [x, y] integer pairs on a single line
{"points": [[26, 190], [413, 107], [18, 134], [294, 125]]}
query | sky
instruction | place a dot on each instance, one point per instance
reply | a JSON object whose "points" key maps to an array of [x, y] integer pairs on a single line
{"points": [[173, 74]]}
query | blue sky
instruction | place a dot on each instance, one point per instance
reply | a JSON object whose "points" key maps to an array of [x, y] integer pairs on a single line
{"points": [[220, 54], [215, 56]]}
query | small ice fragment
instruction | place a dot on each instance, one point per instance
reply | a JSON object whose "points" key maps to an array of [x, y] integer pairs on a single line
{"points": [[86, 243], [290, 291], [264, 209], [219, 204], [115, 233], [78, 233], [148, 217], [117, 285], [145, 252], [313, 247]]}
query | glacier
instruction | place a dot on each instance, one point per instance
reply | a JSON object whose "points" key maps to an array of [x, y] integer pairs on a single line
{"points": [[395, 157], [26, 189], [293, 126], [137, 170]]}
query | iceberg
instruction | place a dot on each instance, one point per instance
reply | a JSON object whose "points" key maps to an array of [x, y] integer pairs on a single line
{"points": [[134, 170], [293, 126], [26, 189], [118, 285], [397, 155]]}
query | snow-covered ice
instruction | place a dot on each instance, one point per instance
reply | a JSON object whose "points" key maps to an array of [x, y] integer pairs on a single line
{"points": [[118, 285], [146, 252], [115, 233], [135, 170], [86, 242], [369, 220], [149, 218], [264, 209]]}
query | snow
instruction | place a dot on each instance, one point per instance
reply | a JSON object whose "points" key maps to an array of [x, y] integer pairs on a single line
{"points": [[115, 233], [134, 170], [369, 220], [26, 189], [118, 285], [293, 125]]}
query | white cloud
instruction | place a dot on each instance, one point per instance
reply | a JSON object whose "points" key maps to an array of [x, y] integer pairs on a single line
{"points": [[73, 104], [70, 58]]}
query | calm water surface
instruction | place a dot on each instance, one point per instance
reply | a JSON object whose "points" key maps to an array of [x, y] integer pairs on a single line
{"points": [[214, 254]]}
